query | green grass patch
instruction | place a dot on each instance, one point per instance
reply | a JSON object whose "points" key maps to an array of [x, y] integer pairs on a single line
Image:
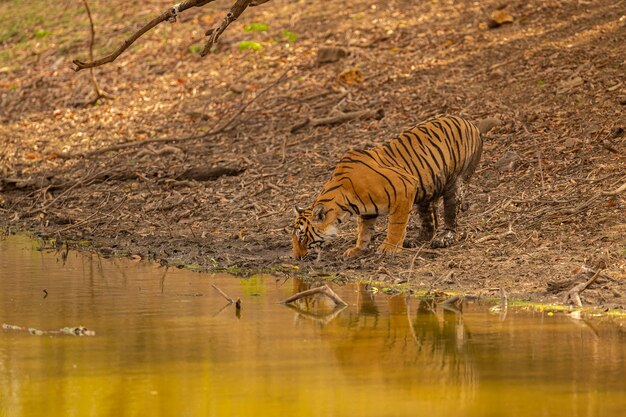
{"points": [[245, 45], [255, 27], [40, 26], [289, 36]]}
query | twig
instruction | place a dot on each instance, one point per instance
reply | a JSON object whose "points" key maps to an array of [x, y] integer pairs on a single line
{"points": [[99, 93], [76, 184], [419, 250], [436, 280], [230, 300], [340, 118], [245, 106], [215, 131], [503, 306], [573, 295], [321, 319], [324, 289], [453, 300], [496, 236], [90, 218], [617, 191], [503, 299], [213, 34]]}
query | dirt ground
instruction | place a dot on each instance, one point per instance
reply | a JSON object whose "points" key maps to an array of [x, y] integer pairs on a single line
{"points": [[547, 199]]}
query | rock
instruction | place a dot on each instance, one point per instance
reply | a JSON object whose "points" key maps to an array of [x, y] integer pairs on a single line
{"points": [[508, 162], [570, 142], [499, 18], [617, 132], [485, 125], [591, 130], [328, 54]]}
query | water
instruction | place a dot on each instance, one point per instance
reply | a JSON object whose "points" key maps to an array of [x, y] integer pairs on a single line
{"points": [[167, 344]]}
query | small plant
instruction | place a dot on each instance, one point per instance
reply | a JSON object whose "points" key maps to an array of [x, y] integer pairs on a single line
{"points": [[289, 36], [255, 27], [195, 49], [245, 45], [41, 33]]}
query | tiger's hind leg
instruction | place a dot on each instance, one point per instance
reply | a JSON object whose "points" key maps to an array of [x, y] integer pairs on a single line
{"points": [[451, 206], [427, 213]]}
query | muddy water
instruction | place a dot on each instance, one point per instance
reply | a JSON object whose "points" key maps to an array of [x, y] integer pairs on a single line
{"points": [[167, 344]]}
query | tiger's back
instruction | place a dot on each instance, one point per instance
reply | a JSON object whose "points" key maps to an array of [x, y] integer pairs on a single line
{"points": [[429, 157], [433, 159]]}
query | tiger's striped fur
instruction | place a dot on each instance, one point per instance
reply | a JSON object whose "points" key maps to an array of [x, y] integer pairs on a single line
{"points": [[434, 159]]}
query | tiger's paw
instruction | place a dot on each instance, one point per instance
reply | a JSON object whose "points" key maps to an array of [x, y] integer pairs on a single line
{"points": [[352, 252], [442, 240], [388, 248]]}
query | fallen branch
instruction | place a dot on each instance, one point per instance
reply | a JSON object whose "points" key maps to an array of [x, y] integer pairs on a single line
{"points": [[324, 289], [209, 174], [339, 118], [496, 236], [223, 294], [573, 295], [456, 299]]}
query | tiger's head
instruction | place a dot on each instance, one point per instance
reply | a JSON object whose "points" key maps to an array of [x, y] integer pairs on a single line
{"points": [[311, 229]]}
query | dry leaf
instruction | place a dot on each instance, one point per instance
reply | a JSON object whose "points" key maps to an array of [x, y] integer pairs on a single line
{"points": [[569, 84], [352, 76]]}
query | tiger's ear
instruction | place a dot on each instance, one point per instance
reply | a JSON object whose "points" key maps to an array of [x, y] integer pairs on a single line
{"points": [[297, 210], [318, 212]]}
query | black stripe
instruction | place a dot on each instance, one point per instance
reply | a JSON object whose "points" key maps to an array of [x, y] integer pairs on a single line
{"points": [[443, 158], [353, 206], [411, 158], [450, 152], [331, 189], [395, 192], [388, 200], [372, 200], [406, 163], [356, 194], [455, 146], [411, 140], [344, 208]]}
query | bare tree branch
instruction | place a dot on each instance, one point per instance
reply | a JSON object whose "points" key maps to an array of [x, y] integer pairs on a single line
{"points": [[169, 15], [214, 34], [99, 93]]}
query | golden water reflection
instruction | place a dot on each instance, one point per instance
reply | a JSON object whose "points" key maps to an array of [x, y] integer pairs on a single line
{"points": [[167, 344]]}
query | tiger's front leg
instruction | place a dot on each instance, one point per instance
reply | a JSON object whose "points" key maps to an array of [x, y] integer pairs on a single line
{"points": [[366, 231], [396, 231]]}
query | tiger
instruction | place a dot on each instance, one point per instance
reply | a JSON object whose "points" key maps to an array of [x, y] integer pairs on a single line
{"points": [[436, 158]]}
